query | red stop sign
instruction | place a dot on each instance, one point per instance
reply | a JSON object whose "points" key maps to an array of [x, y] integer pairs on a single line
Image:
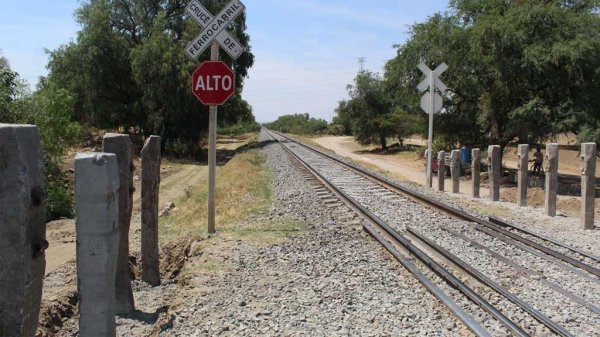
{"points": [[213, 83]]}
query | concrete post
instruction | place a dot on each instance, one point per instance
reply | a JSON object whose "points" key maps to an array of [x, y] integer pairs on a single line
{"points": [[428, 175], [22, 229], [441, 170], [475, 171], [522, 171], [588, 179], [96, 205], [455, 170], [121, 146], [150, 186], [551, 177], [494, 167]]}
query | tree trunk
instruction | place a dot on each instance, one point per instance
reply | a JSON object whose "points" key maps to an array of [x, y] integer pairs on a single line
{"points": [[383, 142], [494, 130]]}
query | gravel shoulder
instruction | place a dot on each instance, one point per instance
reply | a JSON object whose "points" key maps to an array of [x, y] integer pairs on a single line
{"points": [[329, 278]]}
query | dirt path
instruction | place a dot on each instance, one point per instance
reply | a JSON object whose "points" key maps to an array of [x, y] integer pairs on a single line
{"points": [[177, 178], [403, 165]]}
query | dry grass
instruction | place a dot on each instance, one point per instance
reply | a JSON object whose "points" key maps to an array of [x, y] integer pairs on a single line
{"points": [[242, 189]]}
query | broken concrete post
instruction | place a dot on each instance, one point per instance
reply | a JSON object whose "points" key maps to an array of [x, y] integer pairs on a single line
{"points": [[522, 171], [96, 206], [588, 179], [121, 146], [475, 171], [455, 170], [150, 186], [22, 229], [551, 176], [441, 170], [494, 167]]}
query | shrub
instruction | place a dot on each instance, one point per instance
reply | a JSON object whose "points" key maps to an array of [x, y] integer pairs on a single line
{"points": [[59, 199]]}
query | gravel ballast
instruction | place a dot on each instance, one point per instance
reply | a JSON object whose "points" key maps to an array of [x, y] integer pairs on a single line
{"points": [[400, 212], [333, 279]]}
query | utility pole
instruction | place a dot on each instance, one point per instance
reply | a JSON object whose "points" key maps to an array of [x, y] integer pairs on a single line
{"points": [[361, 64]]}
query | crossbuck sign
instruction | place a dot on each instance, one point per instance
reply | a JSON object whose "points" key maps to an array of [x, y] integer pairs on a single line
{"points": [[431, 103], [214, 29], [432, 82]]}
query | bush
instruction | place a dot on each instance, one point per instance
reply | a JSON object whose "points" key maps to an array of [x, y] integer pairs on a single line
{"points": [[239, 128], [59, 199], [300, 124], [50, 109], [336, 130], [180, 148]]}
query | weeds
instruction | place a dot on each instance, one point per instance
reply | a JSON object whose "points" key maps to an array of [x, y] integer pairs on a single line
{"points": [[242, 189]]}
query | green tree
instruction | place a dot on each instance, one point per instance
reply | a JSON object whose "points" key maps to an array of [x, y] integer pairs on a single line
{"points": [[518, 70], [50, 110], [128, 69], [342, 123], [300, 124], [369, 109], [405, 125], [11, 88]]}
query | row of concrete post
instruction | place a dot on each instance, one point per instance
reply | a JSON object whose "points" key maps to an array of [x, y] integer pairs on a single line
{"points": [[103, 201], [103, 205], [588, 170]]}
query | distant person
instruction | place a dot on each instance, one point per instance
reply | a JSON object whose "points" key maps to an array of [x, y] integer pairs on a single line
{"points": [[537, 161]]}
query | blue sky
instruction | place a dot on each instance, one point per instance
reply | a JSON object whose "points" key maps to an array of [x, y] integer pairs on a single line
{"points": [[306, 50]]}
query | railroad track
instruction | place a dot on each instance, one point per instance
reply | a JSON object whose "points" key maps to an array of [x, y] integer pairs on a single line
{"points": [[429, 253]]}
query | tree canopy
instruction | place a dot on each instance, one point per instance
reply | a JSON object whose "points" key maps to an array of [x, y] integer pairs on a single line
{"points": [[127, 69], [300, 124], [518, 71]]}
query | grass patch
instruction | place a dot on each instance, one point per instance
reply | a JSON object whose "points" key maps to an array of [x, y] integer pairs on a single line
{"points": [[242, 189]]}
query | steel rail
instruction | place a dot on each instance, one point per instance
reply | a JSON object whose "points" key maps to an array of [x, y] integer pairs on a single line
{"points": [[454, 212], [544, 238], [475, 327], [537, 253], [426, 260], [527, 272], [479, 276]]}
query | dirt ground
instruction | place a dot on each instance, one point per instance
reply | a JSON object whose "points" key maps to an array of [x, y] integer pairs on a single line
{"points": [[176, 176], [408, 166]]}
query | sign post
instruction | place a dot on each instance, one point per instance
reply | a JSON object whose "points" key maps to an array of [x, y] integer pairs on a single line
{"points": [[213, 82], [431, 103], [212, 153]]}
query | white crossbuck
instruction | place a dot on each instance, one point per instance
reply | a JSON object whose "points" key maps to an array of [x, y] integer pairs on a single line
{"points": [[214, 29], [432, 82]]}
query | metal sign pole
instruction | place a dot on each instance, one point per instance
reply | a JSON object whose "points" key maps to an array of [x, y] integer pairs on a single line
{"points": [[215, 33], [431, 104], [430, 132], [212, 151]]}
